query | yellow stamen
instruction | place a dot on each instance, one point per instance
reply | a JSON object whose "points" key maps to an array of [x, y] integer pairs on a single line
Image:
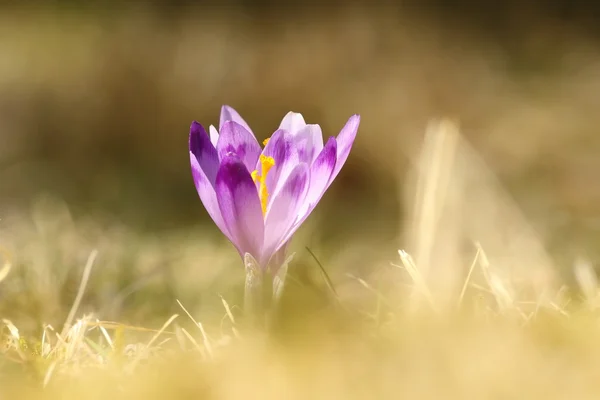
{"points": [[266, 141], [266, 164]]}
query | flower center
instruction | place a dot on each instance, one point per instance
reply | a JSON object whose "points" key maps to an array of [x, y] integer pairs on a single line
{"points": [[266, 164]]}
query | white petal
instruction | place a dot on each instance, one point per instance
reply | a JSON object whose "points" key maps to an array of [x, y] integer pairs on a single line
{"points": [[292, 122], [214, 135]]}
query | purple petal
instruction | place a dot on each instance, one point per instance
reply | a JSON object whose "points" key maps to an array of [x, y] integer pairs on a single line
{"points": [[214, 135], [204, 162], [283, 211], [292, 122], [282, 148], [345, 139], [240, 206], [320, 174], [207, 194], [234, 139], [204, 151], [229, 114], [309, 141]]}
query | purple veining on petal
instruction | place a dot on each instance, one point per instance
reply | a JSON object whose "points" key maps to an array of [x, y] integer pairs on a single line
{"points": [[235, 139], [203, 150], [309, 141], [320, 173], [345, 139], [283, 211], [240, 206], [204, 163], [292, 122], [285, 154], [229, 114], [207, 194]]}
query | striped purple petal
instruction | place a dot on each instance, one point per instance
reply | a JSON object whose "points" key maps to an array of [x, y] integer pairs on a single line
{"points": [[320, 174], [345, 139], [235, 139], [282, 148], [309, 141], [205, 152], [205, 164], [240, 206], [283, 210], [229, 114]]}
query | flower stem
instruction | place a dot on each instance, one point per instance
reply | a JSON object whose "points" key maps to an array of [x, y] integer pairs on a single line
{"points": [[258, 291]]}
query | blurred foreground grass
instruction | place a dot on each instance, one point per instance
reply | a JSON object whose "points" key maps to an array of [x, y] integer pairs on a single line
{"points": [[452, 318]]}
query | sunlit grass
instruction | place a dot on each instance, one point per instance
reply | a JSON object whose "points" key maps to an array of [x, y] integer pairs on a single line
{"points": [[488, 346]]}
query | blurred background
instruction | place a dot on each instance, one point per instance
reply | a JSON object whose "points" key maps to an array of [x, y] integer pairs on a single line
{"points": [[96, 100]]}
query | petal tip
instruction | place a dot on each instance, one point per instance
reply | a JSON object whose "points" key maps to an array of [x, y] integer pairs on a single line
{"points": [[292, 122], [355, 118], [229, 113], [331, 142], [196, 129], [225, 108]]}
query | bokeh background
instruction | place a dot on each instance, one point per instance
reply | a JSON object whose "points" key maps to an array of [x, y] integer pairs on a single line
{"points": [[96, 100]]}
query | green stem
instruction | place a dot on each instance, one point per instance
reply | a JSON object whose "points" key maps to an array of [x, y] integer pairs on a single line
{"points": [[262, 290], [258, 292]]}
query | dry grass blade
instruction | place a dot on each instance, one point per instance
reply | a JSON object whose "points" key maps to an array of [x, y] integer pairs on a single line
{"points": [[84, 280], [117, 325], [435, 194], [420, 285], [587, 280], [6, 266], [324, 273], [139, 355], [207, 344], [191, 339], [106, 336], [161, 330], [14, 339], [228, 310], [45, 345], [49, 373], [468, 278], [496, 286], [434, 171], [501, 293]]}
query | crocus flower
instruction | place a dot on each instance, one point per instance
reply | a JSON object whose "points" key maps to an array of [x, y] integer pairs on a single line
{"points": [[258, 197]]}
